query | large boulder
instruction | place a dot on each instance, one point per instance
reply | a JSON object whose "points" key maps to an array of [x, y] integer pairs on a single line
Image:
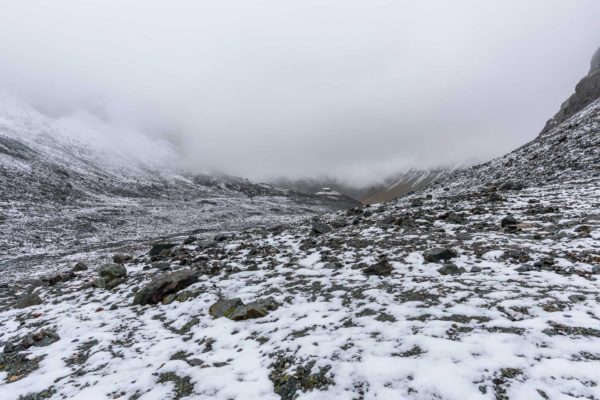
{"points": [[164, 285]]}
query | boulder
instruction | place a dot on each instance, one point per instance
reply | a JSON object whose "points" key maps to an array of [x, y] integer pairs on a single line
{"points": [[190, 240], [158, 248], [382, 268], [80, 266], [111, 275], [164, 285], [236, 310], [438, 254], [319, 228], [508, 221], [451, 269], [120, 258]]}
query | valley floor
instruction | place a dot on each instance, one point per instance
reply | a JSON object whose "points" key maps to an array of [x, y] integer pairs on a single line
{"points": [[511, 314]]}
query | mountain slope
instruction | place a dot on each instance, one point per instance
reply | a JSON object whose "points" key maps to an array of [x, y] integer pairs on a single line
{"points": [[74, 184]]}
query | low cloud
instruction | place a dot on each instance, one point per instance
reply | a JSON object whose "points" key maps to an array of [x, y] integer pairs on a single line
{"points": [[263, 89]]}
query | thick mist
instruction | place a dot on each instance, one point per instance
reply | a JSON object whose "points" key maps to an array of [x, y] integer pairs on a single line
{"points": [[353, 89]]}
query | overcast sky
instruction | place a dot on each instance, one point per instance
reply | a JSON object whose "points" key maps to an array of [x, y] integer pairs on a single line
{"points": [[354, 89]]}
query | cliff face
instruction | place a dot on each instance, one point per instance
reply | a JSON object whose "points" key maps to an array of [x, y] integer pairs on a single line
{"points": [[586, 91]]}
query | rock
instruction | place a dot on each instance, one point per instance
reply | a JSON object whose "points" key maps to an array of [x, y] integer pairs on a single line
{"points": [[476, 269], [508, 221], [463, 236], [111, 275], [576, 298], [525, 268], [221, 237], [596, 270], [495, 197], [236, 310], [158, 248], [164, 285], [512, 185], [382, 268], [190, 240], [451, 269], [120, 258], [438, 254], [256, 309], [206, 244], [80, 266], [29, 300], [224, 307], [39, 339], [319, 228], [161, 266]]}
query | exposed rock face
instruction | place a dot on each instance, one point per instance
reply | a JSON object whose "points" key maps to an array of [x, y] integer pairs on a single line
{"points": [[586, 91], [164, 285]]}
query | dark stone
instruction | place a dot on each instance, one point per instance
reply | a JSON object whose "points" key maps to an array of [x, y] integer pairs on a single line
{"points": [[382, 268], [494, 197], [236, 310], [111, 275], [512, 185], [451, 269], [158, 248], [190, 240], [508, 221], [121, 258], [438, 254], [80, 266], [319, 228], [164, 285]]}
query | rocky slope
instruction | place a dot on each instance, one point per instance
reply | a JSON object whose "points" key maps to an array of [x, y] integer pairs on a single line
{"points": [[482, 286]]}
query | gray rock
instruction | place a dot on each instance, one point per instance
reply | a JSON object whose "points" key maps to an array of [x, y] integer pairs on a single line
{"points": [[451, 269], [29, 300], [224, 307], [596, 270], [508, 221], [576, 298], [120, 258], [476, 269], [512, 185], [438, 254], [80, 266], [236, 310], [382, 268], [111, 275], [319, 228], [164, 285], [190, 240], [158, 248]]}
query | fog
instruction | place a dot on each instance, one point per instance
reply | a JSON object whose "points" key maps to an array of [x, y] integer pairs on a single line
{"points": [[352, 89]]}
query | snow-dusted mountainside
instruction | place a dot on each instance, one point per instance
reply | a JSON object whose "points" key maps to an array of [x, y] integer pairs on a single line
{"points": [[390, 189], [484, 285], [77, 183]]}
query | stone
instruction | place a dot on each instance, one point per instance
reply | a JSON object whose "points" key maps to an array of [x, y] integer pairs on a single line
{"points": [[495, 197], [476, 269], [29, 300], [319, 228], [163, 285], [224, 307], [236, 310], [451, 269], [382, 268], [508, 221], [576, 298], [512, 185], [120, 258], [438, 254], [596, 270], [190, 240], [111, 275], [80, 266], [158, 248]]}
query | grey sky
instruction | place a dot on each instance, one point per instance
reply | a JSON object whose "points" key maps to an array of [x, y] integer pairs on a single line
{"points": [[355, 89]]}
